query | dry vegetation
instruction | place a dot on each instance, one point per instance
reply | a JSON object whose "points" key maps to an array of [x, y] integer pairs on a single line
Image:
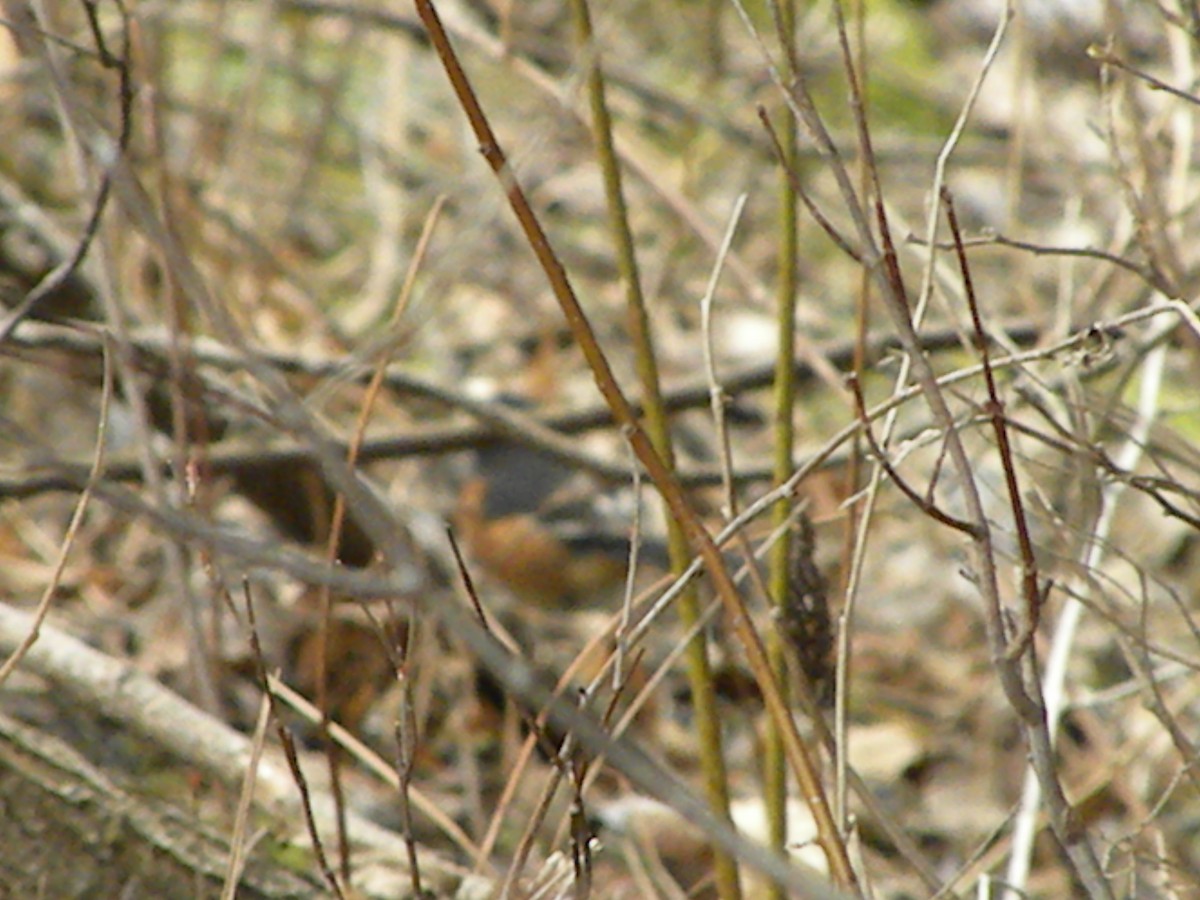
{"points": [[262, 290]]}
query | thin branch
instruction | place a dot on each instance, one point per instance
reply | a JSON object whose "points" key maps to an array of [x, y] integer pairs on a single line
{"points": [[51, 591], [59, 275], [1032, 591], [1107, 57], [927, 506], [1147, 273], [667, 484]]}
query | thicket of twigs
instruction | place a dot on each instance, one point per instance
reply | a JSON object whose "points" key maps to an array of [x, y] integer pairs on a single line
{"points": [[888, 315]]}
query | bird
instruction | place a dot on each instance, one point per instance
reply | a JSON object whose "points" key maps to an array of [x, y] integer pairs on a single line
{"points": [[544, 530]]}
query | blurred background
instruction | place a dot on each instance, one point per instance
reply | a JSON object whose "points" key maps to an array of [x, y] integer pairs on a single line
{"points": [[310, 161]]}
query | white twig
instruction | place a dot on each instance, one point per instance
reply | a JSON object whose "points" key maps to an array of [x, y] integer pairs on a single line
{"points": [[136, 700], [1054, 681], [716, 395]]}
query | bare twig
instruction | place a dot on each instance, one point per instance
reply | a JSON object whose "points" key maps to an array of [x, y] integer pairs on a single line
{"points": [[1147, 273], [293, 762], [668, 486], [338, 518], [139, 702], [880, 261], [699, 671], [497, 418], [48, 595], [119, 62], [926, 505], [1105, 55], [1031, 590], [238, 838]]}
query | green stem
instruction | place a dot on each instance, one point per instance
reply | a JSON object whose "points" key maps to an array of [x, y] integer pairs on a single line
{"points": [[775, 771], [708, 729]]}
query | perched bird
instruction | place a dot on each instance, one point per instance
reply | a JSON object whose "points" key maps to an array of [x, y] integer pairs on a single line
{"points": [[544, 530]]}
